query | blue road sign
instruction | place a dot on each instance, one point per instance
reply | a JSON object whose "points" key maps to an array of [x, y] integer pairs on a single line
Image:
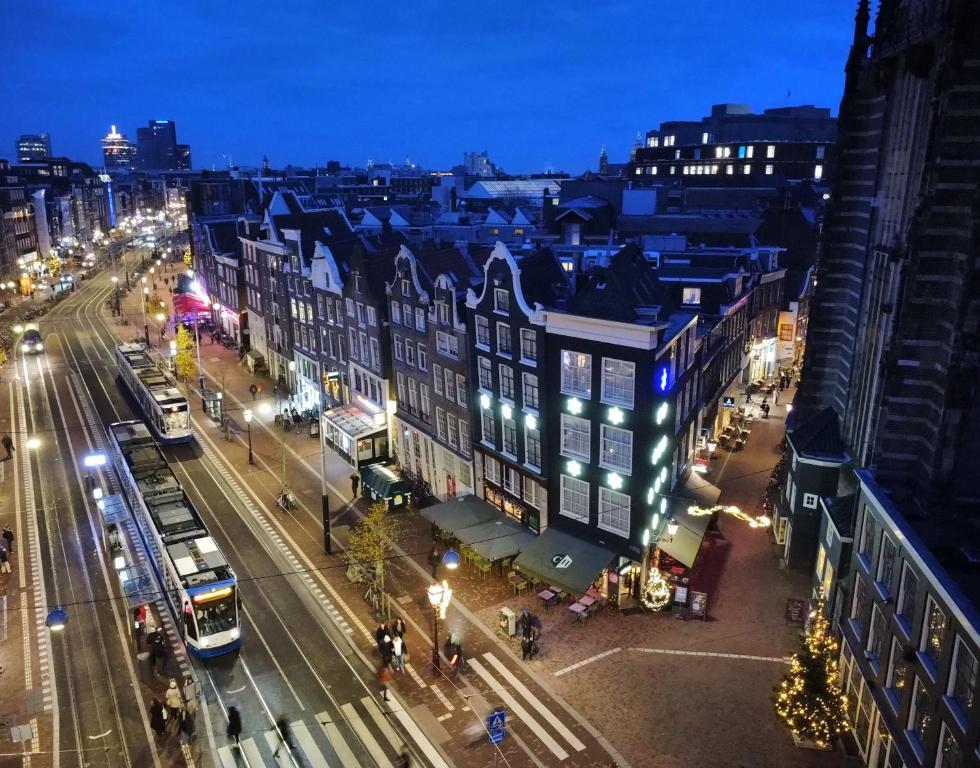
{"points": [[496, 723]]}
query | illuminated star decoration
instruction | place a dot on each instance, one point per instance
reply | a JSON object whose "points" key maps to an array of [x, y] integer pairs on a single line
{"points": [[760, 521]]}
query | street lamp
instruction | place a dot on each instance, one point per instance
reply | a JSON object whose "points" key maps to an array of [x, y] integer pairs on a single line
{"points": [[439, 597], [146, 325], [173, 355], [115, 291], [160, 319], [56, 619], [248, 426], [33, 443], [292, 379]]}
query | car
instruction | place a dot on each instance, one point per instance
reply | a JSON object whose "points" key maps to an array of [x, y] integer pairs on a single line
{"points": [[31, 341]]}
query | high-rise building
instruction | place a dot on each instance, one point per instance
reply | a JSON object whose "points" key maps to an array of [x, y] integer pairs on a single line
{"points": [[117, 151], [33, 147], [158, 150]]}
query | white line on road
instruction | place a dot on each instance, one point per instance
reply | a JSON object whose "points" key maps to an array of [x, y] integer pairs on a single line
{"points": [[589, 660], [749, 657], [366, 737], [340, 747]]}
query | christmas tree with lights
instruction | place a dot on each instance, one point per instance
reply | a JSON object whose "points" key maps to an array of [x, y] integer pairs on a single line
{"points": [[655, 594], [809, 698]]}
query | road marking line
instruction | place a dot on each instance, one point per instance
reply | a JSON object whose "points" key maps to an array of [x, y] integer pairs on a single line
{"points": [[227, 758], [313, 756], [357, 723], [536, 728], [340, 747], [442, 697], [745, 656], [382, 722], [589, 660], [444, 717], [423, 742], [415, 676], [276, 745], [251, 751], [535, 702]]}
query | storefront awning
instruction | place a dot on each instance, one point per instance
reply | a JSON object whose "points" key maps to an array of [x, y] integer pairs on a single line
{"points": [[352, 421], [700, 491], [188, 303], [496, 539], [561, 559], [460, 513], [686, 543]]}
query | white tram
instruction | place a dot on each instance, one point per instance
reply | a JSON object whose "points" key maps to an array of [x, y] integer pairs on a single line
{"points": [[163, 406]]}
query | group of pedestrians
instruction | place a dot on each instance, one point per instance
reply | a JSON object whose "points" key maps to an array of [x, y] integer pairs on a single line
{"points": [[173, 709], [390, 639]]}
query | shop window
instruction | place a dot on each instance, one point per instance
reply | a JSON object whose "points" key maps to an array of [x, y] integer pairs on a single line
{"points": [[576, 436], [614, 512], [576, 373], [574, 499]]}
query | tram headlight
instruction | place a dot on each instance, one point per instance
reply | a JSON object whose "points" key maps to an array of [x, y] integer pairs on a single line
{"points": [[205, 642], [235, 633]]}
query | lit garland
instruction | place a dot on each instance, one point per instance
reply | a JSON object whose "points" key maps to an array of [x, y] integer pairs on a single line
{"points": [[760, 521], [655, 594], [809, 698]]}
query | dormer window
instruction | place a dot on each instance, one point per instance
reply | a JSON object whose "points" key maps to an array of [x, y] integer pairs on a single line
{"points": [[501, 300], [406, 288], [691, 296]]}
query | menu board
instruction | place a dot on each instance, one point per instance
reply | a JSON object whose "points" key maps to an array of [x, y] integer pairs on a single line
{"points": [[699, 604], [795, 609]]}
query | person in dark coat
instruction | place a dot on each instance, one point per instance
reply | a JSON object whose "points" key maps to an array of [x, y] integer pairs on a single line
{"points": [[285, 734], [234, 724], [8, 535], [157, 723], [8, 445], [158, 655], [355, 481], [434, 558], [398, 627]]}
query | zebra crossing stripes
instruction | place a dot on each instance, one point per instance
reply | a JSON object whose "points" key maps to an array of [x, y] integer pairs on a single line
{"points": [[366, 737], [382, 722], [340, 748], [314, 759]]}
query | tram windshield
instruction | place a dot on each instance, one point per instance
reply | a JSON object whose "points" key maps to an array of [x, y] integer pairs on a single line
{"points": [[176, 418], [215, 611]]}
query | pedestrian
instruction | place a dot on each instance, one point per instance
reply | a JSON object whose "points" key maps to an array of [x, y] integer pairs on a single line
{"points": [[234, 729], [188, 619], [765, 410], [355, 481], [384, 680], [526, 643], [434, 560], [404, 759], [8, 535], [254, 390], [8, 445], [190, 696], [4, 561], [775, 397], [158, 720], [397, 650], [387, 650], [139, 624], [154, 641], [285, 736], [185, 726], [398, 627], [379, 637], [173, 700]]}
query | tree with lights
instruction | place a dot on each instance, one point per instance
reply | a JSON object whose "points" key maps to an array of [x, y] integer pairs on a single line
{"points": [[809, 698], [184, 363]]}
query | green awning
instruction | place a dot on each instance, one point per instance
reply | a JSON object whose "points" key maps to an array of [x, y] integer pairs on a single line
{"points": [[496, 539], [558, 558], [460, 513]]}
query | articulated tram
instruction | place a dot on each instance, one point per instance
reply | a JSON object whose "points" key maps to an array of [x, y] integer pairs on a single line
{"points": [[162, 404], [197, 580]]}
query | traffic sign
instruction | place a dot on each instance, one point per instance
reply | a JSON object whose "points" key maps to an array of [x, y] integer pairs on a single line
{"points": [[496, 723]]}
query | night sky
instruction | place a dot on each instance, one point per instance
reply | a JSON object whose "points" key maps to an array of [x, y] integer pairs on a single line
{"points": [[538, 85]]}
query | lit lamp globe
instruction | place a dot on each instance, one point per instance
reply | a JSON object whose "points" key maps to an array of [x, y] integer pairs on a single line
{"points": [[451, 559], [247, 414], [672, 528], [56, 619]]}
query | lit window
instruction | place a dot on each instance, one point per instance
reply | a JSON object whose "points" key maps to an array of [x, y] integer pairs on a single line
{"points": [[741, 152], [747, 169], [919, 717], [618, 381], [749, 151], [677, 154], [691, 296], [653, 141], [962, 677], [653, 170], [576, 437], [719, 152], [818, 172], [769, 169], [574, 499], [639, 171], [933, 631], [617, 449], [897, 668], [576, 373], [673, 170], [821, 152], [614, 512], [686, 170], [770, 151], [705, 137], [729, 170]]}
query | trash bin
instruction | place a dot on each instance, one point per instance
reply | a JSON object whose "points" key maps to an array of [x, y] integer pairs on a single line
{"points": [[145, 666], [508, 622]]}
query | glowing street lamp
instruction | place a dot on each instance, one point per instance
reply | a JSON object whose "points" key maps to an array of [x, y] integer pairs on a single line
{"points": [[247, 414], [33, 443], [439, 596]]}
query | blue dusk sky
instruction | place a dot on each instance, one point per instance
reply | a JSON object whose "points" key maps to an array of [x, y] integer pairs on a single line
{"points": [[538, 85]]}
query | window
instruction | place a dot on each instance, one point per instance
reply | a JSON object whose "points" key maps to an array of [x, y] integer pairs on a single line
{"points": [[962, 677], [691, 296], [769, 169], [906, 597], [461, 390], [576, 373], [576, 435], [447, 375], [452, 433], [886, 564], [501, 300], [534, 494], [350, 307], [362, 337], [486, 373], [491, 469], [483, 332], [512, 481], [423, 358], [399, 355], [441, 424], [876, 636], [396, 313], [503, 339], [770, 151], [409, 353], [532, 446], [510, 436], [867, 537], [437, 378], [360, 314], [933, 631], [614, 512], [817, 172], [749, 151], [529, 345], [447, 345], [821, 152], [413, 396], [950, 755], [506, 381], [859, 607], [406, 288], [617, 449], [574, 499], [424, 401], [420, 319], [353, 343], [375, 354], [372, 315], [400, 384], [488, 426], [919, 717], [897, 670], [617, 381], [747, 169], [464, 438], [530, 390]]}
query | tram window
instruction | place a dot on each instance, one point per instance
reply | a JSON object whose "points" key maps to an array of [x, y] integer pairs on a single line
{"points": [[190, 625], [216, 614]]}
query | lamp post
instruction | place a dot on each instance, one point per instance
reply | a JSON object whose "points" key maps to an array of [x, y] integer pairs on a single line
{"points": [[248, 427], [160, 324], [143, 299], [173, 356], [115, 292], [291, 382], [197, 339], [439, 597]]}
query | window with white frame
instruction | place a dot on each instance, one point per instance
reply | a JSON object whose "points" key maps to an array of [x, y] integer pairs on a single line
{"points": [[876, 635], [897, 669], [933, 632], [574, 499], [534, 494], [375, 354], [420, 319], [770, 151], [491, 469], [372, 315], [406, 288], [424, 401], [447, 345], [512, 481], [362, 337], [817, 172], [360, 314], [576, 373], [618, 381], [485, 370], [532, 446], [769, 169], [464, 436], [905, 605], [576, 435], [444, 312], [461, 390], [503, 339], [400, 386], [437, 378], [529, 345], [866, 542], [441, 424], [859, 605], [350, 307], [530, 381], [407, 314], [353, 342], [452, 433], [887, 558], [448, 378], [919, 714], [409, 353], [413, 395], [423, 358], [506, 381], [962, 677], [950, 754], [691, 296], [510, 436], [614, 512], [489, 426], [482, 332], [617, 449], [501, 300]]}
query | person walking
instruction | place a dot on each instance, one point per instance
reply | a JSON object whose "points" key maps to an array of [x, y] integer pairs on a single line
{"points": [[355, 481], [379, 638], [234, 729], [185, 726], [285, 736], [8, 445], [398, 650], [173, 700], [387, 650], [254, 390], [398, 627], [139, 624], [157, 721], [8, 535], [158, 656], [384, 680], [4, 560], [434, 560]]}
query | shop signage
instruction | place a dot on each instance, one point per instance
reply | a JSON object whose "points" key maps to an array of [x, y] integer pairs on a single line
{"points": [[561, 561], [795, 610], [496, 723], [728, 402], [699, 604]]}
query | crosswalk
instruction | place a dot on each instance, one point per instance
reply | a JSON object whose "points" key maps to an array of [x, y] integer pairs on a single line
{"points": [[361, 735]]}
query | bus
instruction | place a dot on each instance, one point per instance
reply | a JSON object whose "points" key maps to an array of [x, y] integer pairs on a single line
{"points": [[198, 583], [162, 405]]}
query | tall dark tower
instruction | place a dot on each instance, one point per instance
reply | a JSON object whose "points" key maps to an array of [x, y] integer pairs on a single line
{"points": [[603, 160]]}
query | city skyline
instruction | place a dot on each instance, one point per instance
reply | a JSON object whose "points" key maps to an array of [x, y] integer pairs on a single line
{"points": [[483, 88]]}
